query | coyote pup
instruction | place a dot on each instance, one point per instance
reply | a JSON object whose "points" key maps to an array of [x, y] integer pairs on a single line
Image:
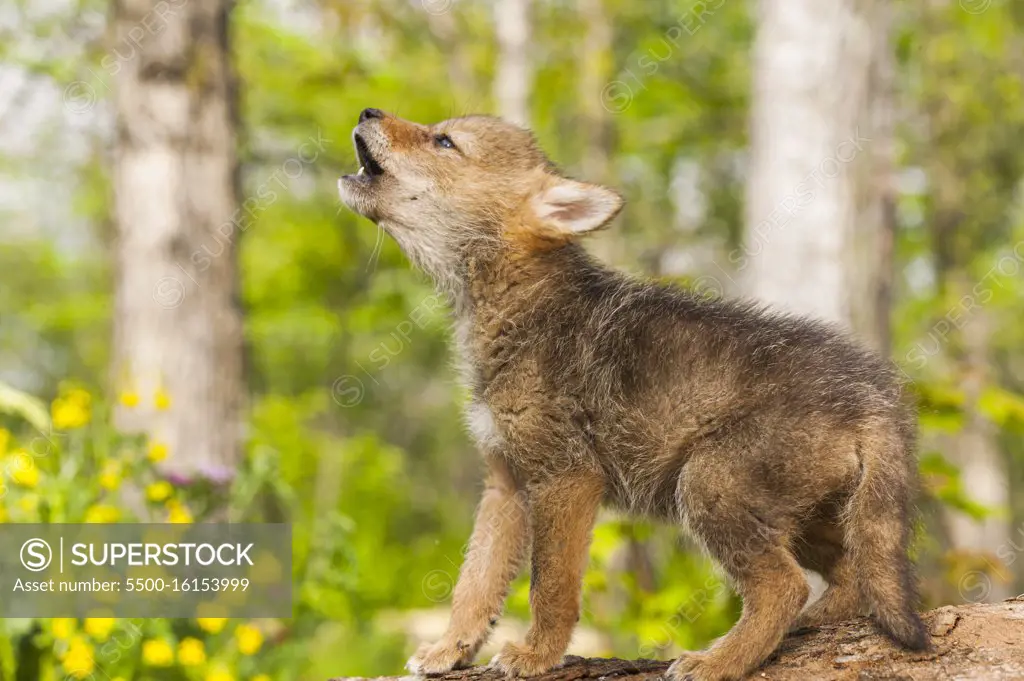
{"points": [[775, 440]]}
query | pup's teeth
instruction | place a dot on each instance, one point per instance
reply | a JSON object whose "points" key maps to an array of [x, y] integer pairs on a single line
{"points": [[361, 170]]}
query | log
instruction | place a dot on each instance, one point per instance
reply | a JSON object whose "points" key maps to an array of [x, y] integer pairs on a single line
{"points": [[977, 641]]}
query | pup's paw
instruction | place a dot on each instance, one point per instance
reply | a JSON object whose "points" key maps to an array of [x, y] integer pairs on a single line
{"points": [[438, 658], [518, 661], [696, 667]]}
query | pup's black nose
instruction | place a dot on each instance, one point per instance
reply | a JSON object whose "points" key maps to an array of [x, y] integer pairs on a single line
{"points": [[367, 114]]}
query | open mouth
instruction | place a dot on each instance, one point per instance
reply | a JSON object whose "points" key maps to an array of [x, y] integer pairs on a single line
{"points": [[368, 165]]}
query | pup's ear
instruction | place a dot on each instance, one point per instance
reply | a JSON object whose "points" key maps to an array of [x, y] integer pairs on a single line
{"points": [[574, 207]]}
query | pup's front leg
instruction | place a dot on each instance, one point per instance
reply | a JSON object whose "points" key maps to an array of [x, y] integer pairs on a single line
{"points": [[496, 552], [562, 515]]}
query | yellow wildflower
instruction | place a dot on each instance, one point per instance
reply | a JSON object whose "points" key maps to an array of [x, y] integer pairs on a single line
{"points": [[78, 661], [71, 409], [249, 639], [5, 439], [157, 653], [110, 476], [102, 513], [162, 400], [157, 452], [219, 673], [261, 677], [78, 395], [212, 625], [159, 491], [191, 652], [179, 513], [62, 627], [24, 472], [3, 515], [129, 398], [99, 627]]}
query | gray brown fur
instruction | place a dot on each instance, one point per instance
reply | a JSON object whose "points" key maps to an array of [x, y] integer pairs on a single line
{"points": [[776, 441]]}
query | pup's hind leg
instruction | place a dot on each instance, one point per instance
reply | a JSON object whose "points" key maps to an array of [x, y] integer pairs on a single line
{"points": [[821, 549], [755, 554], [841, 600]]}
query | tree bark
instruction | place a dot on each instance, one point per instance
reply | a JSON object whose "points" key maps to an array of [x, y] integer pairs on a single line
{"points": [[819, 198], [177, 326], [983, 641]]}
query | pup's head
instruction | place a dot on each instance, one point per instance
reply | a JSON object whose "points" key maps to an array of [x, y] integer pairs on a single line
{"points": [[457, 188]]}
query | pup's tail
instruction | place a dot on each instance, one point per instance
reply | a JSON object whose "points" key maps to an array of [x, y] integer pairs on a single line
{"points": [[878, 532]]}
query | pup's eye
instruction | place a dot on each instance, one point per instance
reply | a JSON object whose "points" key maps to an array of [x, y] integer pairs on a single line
{"points": [[444, 141]]}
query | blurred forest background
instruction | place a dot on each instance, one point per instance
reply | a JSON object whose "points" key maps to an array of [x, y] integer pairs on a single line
{"points": [[192, 329]]}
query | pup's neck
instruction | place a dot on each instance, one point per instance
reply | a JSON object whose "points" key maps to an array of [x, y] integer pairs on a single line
{"points": [[503, 296], [512, 281]]}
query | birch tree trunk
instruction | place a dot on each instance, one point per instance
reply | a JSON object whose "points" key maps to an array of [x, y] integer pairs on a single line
{"points": [[178, 335], [819, 202], [513, 73]]}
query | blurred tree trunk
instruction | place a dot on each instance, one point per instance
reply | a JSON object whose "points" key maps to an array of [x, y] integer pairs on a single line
{"points": [[594, 124], [595, 71], [178, 333], [819, 193], [513, 77]]}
